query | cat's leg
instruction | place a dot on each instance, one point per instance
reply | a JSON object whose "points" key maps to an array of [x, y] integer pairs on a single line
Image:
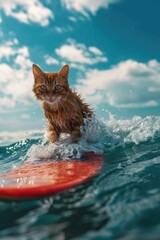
{"points": [[53, 134], [75, 134]]}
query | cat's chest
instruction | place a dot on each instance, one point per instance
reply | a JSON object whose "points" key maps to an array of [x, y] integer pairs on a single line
{"points": [[65, 122]]}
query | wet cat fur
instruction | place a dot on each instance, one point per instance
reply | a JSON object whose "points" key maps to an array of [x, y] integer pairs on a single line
{"points": [[64, 108]]}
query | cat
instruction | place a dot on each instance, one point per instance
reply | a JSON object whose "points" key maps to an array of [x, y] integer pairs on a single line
{"points": [[63, 107]]}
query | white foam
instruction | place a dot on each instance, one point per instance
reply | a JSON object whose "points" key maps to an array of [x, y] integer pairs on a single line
{"points": [[95, 137], [55, 151], [137, 129]]}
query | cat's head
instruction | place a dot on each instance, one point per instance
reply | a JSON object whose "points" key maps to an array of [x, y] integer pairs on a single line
{"points": [[50, 87]]}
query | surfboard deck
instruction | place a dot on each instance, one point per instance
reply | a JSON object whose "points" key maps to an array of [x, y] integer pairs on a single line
{"points": [[33, 180]]}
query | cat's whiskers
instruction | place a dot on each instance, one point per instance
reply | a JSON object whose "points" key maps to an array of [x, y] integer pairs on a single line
{"points": [[52, 102]]}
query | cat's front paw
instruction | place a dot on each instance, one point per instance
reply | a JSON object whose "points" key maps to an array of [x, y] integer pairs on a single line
{"points": [[53, 137], [75, 136]]}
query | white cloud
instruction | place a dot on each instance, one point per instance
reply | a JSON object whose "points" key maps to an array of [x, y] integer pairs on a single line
{"points": [[73, 19], [63, 29], [59, 29], [6, 51], [6, 72], [25, 116], [50, 60], [78, 66], [79, 53], [9, 49], [27, 11], [19, 89], [127, 84], [6, 102], [95, 50], [85, 7], [16, 80], [153, 89], [139, 105]]}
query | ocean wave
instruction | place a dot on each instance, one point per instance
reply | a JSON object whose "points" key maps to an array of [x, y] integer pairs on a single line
{"points": [[98, 136], [125, 195]]}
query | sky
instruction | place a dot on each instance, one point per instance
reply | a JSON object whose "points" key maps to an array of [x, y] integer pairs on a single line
{"points": [[111, 46]]}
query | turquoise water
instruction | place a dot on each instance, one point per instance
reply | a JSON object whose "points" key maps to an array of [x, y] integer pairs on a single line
{"points": [[122, 202]]}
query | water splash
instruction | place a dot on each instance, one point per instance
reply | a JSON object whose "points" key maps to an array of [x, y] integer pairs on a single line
{"points": [[96, 137], [137, 129]]}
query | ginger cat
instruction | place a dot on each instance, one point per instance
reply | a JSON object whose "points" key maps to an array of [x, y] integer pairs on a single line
{"points": [[63, 107]]}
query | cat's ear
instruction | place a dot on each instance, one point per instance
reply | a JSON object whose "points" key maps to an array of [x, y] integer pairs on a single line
{"points": [[37, 72], [64, 72]]}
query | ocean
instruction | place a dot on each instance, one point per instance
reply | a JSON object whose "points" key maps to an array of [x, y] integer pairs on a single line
{"points": [[121, 202]]}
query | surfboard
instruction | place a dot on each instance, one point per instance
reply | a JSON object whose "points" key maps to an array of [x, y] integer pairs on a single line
{"points": [[34, 180]]}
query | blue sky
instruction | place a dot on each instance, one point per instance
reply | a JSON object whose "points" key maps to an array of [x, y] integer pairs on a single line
{"points": [[112, 47]]}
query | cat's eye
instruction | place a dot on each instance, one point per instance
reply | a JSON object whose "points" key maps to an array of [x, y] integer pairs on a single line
{"points": [[58, 87], [43, 87]]}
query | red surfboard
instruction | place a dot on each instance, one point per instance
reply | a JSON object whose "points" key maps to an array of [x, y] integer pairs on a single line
{"points": [[48, 178]]}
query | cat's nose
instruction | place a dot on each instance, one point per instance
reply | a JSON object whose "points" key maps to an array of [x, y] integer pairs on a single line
{"points": [[50, 95]]}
